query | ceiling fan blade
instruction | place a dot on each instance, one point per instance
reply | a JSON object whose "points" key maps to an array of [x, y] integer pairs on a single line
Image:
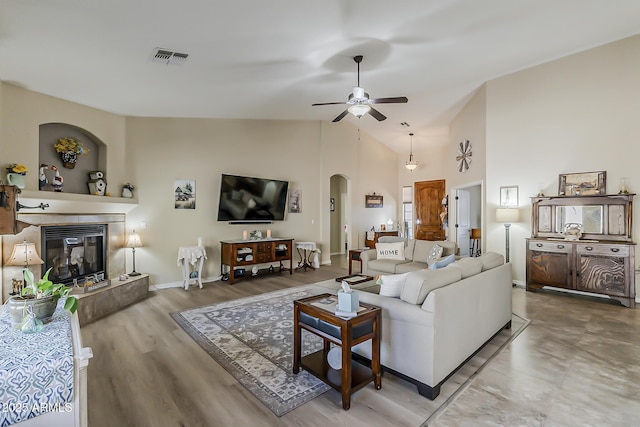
{"points": [[396, 100], [341, 116], [328, 103], [377, 114]]}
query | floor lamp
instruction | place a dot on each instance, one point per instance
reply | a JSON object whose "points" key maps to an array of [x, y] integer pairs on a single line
{"points": [[507, 216], [133, 243]]}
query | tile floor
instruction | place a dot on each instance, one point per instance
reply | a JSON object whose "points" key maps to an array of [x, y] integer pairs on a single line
{"points": [[576, 364]]}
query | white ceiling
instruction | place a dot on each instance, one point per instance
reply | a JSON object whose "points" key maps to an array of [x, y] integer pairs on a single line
{"points": [[272, 59]]}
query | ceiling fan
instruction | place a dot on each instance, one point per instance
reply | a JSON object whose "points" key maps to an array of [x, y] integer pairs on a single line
{"points": [[359, 102]]}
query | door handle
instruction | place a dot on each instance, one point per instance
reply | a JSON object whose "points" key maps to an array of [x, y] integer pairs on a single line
{"points": [[560, 246], [589, 248], [539, 245], [615, 249]]}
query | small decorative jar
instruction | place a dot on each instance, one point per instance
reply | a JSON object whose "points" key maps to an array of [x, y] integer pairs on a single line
{"points": [[572, 231], [127, 190]]}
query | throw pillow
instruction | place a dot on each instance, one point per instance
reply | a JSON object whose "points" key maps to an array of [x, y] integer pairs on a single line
{"points": [[442, 262], [434, 254], [390, 250], [392, 284]]}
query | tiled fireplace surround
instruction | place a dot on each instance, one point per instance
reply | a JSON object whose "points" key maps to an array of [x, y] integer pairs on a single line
{"points": [[115, 241]]}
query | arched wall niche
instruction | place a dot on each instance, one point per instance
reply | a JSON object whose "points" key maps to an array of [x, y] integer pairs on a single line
{"points": [[74, 180]]}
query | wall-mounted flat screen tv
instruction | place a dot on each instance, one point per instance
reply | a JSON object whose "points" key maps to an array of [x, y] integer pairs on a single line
{"points": [[244, 198]]}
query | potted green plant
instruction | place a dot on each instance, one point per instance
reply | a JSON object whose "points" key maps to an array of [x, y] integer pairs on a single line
{"points": [[42, 298]]}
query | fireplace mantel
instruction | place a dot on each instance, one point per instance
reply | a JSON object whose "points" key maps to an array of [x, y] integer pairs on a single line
{"points": [[75, 203]]}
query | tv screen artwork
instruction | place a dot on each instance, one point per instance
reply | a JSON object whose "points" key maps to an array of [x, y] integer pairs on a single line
{"points": [[252, 199]]}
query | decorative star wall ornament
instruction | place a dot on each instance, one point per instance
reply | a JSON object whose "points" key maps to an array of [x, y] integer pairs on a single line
{"points": [[464, 156]]}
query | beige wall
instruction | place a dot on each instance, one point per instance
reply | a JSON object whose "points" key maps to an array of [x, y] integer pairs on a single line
{"points": [[469, 124], [575, 114], [431, 166], [305, 153], [368, 166], [164, 150], [23, 111], [151, 153]]}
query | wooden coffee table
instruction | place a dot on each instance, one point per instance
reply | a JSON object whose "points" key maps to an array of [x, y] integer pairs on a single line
{"points": [[346, 333]]}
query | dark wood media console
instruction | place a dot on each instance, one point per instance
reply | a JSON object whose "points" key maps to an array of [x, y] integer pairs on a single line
{"points": [[242, 255]]}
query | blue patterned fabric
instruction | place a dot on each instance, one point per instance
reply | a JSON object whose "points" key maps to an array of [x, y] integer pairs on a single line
{"points": [[36, 370]]}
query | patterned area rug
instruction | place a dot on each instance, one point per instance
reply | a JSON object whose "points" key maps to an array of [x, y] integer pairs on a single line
{"points": [[252, 338]]}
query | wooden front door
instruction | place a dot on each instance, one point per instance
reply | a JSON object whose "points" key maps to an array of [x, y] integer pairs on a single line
{"points": [[428, 206]]}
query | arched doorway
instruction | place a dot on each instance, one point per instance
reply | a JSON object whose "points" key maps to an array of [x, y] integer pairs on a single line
{"points": [[339, 215]]}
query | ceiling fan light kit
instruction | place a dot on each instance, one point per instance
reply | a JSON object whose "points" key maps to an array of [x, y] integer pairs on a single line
{"points": [[360, 103], [359, 110]]}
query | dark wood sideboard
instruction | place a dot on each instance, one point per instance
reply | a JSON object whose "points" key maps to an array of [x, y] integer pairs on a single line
{"points": [[371, 243], [602, 261], [240, 256]]}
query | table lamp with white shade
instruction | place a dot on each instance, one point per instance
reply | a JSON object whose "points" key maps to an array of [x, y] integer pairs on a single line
{"points": [[507, 216], [23, 255], [134, 242]]}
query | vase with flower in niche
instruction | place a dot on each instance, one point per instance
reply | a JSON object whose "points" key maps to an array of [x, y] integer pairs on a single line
{"points": [[69, 159]]}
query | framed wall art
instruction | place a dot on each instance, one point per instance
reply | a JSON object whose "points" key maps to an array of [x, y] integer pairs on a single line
{"points": [[583, 184], [295, 201], [184, 193], [509, 196], [373, 201]]}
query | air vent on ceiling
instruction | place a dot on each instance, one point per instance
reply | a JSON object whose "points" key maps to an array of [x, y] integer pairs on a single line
{"points": [[164, 56]]}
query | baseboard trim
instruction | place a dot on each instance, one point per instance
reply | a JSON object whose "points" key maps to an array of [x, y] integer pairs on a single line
{"points": [[180, 284]]}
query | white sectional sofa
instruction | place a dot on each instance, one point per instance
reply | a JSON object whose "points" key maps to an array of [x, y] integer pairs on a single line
{"points": [[442, 318], [415, 257]]}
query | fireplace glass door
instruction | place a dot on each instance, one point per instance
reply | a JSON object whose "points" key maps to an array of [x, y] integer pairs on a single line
{"points": [[75, 254]]}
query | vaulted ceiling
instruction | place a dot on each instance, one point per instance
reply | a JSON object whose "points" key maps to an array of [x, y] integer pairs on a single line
{"points": [[256, 59]]}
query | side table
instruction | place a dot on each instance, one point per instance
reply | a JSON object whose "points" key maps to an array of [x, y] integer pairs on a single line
{"points": [[316, 314], [354, 255], [194, 255], [305, 258]]}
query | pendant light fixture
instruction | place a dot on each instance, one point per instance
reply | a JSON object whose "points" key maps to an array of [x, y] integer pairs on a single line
{"points": [[411, 164]]}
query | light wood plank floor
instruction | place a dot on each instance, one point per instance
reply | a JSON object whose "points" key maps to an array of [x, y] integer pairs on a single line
{"points": [[147, 371]]}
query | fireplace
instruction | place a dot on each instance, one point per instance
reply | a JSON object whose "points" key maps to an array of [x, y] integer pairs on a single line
{"points": [[75, 253]]}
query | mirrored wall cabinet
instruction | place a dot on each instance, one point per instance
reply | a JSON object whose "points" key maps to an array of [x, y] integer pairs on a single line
{"points": [[583, 244]]}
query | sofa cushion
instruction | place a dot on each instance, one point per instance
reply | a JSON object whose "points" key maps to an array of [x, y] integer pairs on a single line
{"points": [[390, 250], [442, 262], [468, 266], [391, 285], [385, 265], [408, 250], [420, 283], [448, 248], [422, 249], [491, 260], [411, 266]]}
